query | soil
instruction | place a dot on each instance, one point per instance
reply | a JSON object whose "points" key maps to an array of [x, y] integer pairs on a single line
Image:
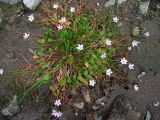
{"points": [[14, 55]]}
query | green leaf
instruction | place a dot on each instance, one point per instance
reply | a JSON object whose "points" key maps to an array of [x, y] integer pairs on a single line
{"points": [[40, 53], [62, 81], [46, 65], [85, 72], [50, 39], [80, 77], [46, 78], [70, 59]]}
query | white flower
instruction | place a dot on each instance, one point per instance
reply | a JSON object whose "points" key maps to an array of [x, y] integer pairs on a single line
{"points": [[92, 82], [115, 19], [136, 88], [98, 4], [129, 48], [56, 114], [26, 35], [123, 61], [147, 34], [72, 9], [55, 6], [135, 43], [108, 42], [104, 55], [80, 47], [31, 18], [1, 71], [59, 27], [131, 66], [63, 20], [57, 102], [109, 72]]}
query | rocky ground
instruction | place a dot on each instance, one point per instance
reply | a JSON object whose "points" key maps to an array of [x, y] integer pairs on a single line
{"points": [[120, 102]]}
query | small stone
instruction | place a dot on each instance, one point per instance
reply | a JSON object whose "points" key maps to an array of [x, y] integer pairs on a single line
{"points": [[11, 1], [98, 118], [110, 3], [10, 54], [135, 31], [79, 105], [141, 74], [31, 4], [156, 104], [143, 7], [94, 107], [101, 101], [121, 1], [86, 96], [123, 109], [148, 116], [12, 108]]}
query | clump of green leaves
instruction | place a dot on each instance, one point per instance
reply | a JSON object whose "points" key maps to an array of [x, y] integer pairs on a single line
{"points": [[58, 61]]}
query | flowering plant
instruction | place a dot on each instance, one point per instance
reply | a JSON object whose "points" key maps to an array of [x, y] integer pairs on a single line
{"points": [[75, 50]]}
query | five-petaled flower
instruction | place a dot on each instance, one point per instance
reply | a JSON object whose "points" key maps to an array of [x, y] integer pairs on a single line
{"points": [[108, 42], [1, 71], [104, 55], [109, 72], [31, 18], [56, 113], [115, 19], [131, 66], [147, 34], [72, 9], [124, 61], [80, 47], [55, 6], [135, 43], [92, 82], [59, 27], [26, 35], [136, 88], [63, 20], [57, 102]]}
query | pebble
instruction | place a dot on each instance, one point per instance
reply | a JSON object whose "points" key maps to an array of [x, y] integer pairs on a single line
{"points": [[11, 1], [86, 96], [148, 116], [79, 105], [110, 3], [156, 104], [141, 74], [32, 4], [143, 7], [135, 31], [12, 108]]}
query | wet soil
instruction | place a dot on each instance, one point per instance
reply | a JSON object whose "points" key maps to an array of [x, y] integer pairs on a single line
{"points": [[14, 55]]}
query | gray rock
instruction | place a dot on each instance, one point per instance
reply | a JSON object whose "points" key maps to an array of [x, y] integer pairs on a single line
{"points": [[12, 108], [2, 117], [79, 105], [86, 96], [11, 1], [156, 104], [122, 109], [110, 3], [148, 116], [31, 4], [121, 1], [143, 7], [135, 31]]}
